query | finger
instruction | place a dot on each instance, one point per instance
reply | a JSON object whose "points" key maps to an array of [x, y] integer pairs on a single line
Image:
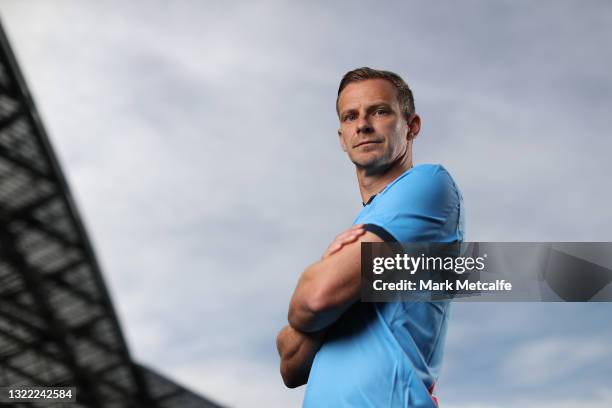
{"points": [[350, 230], [356, 227], [342, 240], [345, 237], [332, 250], [352, 238], [342, 237], [355, 233], [357, 230]]}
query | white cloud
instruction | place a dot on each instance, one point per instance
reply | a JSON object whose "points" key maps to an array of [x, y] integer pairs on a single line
{"points": [[600, 398], [235, 382], [541, 361]]}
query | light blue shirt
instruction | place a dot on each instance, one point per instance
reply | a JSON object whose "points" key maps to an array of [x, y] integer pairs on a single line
{"points": [[389, 354]]}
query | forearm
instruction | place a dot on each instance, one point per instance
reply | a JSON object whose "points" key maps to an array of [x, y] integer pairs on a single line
{"points": [[323, 293], [297, 351]]}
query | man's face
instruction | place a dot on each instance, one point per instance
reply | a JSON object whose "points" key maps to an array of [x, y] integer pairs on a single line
{"points": [[373, 130]]}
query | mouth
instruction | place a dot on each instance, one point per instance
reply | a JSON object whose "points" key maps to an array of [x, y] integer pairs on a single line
{"points": [[366, 143]]}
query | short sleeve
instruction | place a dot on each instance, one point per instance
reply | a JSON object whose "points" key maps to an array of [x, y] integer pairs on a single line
{"points": [[423, 204]]}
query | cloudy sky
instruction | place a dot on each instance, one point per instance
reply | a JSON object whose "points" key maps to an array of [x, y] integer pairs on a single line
{"points": [[199, 142]]}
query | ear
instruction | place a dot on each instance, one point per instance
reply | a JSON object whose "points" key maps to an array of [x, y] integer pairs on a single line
{"points": [[414, 126], [342, 143]]}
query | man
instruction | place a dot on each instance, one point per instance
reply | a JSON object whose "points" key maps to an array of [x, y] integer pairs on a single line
{"points": [[355, 354]]}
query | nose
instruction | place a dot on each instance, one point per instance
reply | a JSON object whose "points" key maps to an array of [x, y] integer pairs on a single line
{"points": [[363, 126]]}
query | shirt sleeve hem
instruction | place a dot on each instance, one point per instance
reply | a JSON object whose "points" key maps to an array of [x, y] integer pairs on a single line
{"points": [[380, 232]]}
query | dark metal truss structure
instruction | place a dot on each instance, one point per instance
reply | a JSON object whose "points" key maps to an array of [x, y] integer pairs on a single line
{"points": [[57, 323]]}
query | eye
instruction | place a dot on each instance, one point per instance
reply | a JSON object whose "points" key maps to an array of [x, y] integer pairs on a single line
{"points": [[349, 117], [381, 111]]}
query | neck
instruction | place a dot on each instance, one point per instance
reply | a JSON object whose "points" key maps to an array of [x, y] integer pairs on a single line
{"points": [[371, 183]]}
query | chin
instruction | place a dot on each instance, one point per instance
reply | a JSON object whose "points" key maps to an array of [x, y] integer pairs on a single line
{"points": [[371, 165], [365, 162]]}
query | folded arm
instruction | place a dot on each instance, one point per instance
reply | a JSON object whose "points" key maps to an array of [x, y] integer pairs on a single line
{"points": [[328, 288], [297, 349]]}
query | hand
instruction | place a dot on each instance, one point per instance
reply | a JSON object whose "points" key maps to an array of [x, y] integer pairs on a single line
{"points": [[297, 351], [347, 237]]}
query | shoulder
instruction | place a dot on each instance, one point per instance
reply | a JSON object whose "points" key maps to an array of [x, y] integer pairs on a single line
{"points": [[423, 204], [424, 184], [428, 175]]}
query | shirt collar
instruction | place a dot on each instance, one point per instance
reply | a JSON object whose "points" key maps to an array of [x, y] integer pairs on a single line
{"points": [[369, 200]]}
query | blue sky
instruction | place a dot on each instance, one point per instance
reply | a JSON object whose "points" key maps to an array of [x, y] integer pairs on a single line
{"points": [[199, 141]]}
